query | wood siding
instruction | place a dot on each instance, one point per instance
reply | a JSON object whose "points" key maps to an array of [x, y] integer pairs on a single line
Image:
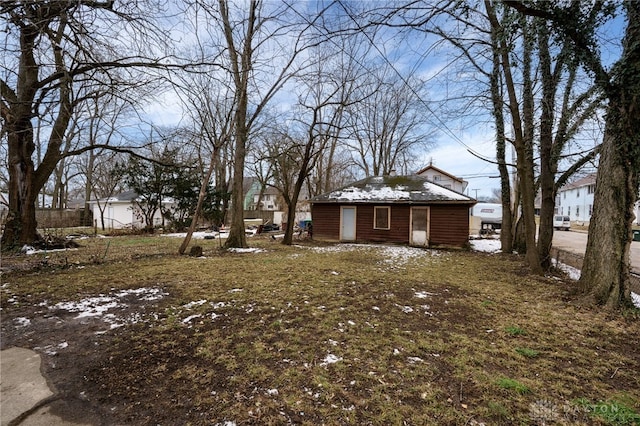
{"points": [[398, 231], [326, 221], [449, 224]]}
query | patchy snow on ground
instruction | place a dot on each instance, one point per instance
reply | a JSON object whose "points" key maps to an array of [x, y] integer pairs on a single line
{"points": [[194, 304], [392, 255], [330, 359], [52, 349], [190, 318], [200, 235], [400, 255], [574, 274], [99, 306], [21, 321], [245, 250], [29, 250], [486, 245]]}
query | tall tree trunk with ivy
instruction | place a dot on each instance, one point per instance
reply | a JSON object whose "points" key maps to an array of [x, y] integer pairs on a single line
{"points": [[606, 271]]}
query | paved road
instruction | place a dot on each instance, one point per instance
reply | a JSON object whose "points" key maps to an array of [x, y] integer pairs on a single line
{"points": [[576, 242]]}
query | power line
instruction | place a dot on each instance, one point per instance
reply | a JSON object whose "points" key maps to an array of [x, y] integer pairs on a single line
{"points": [[404, 80]]}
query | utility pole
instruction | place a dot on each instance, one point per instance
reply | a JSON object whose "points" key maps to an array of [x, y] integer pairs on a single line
{"points": [[476, 190]]}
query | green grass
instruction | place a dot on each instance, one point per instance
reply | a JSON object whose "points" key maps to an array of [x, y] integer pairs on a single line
{"points": [[424, 340], [526, 352], [515, 330], [511, 384], [612, 412]]}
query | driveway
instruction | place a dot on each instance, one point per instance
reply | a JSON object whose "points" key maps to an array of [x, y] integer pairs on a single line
{"points": [[576, 242]]}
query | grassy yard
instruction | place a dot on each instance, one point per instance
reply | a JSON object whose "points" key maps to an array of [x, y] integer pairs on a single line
{"points": [[319, 334]]}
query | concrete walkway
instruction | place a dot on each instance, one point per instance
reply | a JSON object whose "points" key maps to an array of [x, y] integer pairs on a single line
{"points": [[25, 396]]}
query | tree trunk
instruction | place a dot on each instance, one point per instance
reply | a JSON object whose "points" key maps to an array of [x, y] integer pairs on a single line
{"points": [[237, 237], [291, 221], [87, 190], [606, 269], [201, 196], [20, 225], [605, 272], [506, 227], [241, 70], [297, 187], [524, 150], [506, 231], [547, 161], [519, 236], [545, 229]]}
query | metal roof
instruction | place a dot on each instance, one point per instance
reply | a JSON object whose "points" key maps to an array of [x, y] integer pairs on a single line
{"points": [[411, 189]]}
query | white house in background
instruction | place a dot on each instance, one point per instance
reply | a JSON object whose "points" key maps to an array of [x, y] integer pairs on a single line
{"points": [[576, 200], [443, 178], [121, 211], [269, 200]]}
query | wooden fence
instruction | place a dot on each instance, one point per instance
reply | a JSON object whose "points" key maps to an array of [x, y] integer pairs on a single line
{"points": [[58, 218]]}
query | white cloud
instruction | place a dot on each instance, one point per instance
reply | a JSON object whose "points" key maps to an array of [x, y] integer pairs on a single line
{"points": [[453, 157]]}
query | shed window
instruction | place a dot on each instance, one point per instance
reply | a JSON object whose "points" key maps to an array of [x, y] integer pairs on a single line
{"points": [[381, 217]]}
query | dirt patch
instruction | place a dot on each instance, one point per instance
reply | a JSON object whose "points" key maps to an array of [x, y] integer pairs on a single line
{"points": [[336, 335]]}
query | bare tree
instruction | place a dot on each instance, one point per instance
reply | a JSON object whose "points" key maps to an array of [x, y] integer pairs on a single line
{"points": [[211, 116], [262, 45], [509, 55], [345, 61], [606, 271], [522, 127], [388, 124], [51, 47], [324, 96], [560, 121]]}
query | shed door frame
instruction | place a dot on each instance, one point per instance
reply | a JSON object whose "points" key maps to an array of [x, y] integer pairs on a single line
{"points": [[348, 223], [420, 222]]}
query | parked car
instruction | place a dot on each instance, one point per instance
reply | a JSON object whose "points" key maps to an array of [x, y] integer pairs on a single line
{"points": [[561, 222]]}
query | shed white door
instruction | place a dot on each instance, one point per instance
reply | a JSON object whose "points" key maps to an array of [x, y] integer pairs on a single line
{"points": [[419, 226], [347, 223]]}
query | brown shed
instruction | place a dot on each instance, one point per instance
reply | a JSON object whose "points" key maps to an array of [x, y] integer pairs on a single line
{"points": [[393, 209]]}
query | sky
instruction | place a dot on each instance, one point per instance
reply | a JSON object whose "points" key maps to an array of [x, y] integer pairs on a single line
{"points": [[455, 158], [454, 139], [450, 150]]}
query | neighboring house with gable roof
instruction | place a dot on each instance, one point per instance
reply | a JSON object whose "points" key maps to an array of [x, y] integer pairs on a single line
{"points": [[443, 178], [410, 210], [576, 200], [122, 211]]}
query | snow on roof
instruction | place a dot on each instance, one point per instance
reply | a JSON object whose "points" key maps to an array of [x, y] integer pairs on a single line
{"points": [[394, 189]]}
